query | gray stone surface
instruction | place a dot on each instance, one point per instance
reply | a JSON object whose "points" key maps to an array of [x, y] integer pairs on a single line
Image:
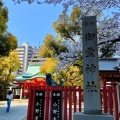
{"points": [[82, 116], [92, 101]]}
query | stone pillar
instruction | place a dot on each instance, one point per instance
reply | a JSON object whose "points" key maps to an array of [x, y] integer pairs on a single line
{"points": [[92, 100]]}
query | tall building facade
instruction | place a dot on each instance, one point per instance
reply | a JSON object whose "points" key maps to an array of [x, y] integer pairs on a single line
{"points": [[25, 53], [36, 59]]}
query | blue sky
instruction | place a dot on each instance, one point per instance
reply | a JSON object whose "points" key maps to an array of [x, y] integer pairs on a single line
{"points": [[31, 23]]}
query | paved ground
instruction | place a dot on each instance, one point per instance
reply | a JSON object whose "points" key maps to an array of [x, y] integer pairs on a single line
{"points": [[18, 110]]}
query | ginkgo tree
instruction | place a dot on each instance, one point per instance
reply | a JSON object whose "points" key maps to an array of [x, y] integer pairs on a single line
{"points": [[8, 65], [51, 46], [70, 77], [48, 66]]}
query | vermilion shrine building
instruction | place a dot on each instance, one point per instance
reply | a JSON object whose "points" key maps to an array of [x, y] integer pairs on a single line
{"points": [[32, 77], [109, 71]]}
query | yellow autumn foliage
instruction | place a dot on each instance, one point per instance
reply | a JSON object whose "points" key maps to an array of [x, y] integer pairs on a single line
{"points": [[76, 12], [71, 77], [8, 65], [48, 66]]}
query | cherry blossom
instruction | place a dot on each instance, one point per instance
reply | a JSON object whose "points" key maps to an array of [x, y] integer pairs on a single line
{"points": [[108, 25]]}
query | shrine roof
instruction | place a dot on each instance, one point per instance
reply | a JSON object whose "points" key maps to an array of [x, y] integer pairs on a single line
{"points": [[33, 69], [32, 72], [20, 78], [109, 64]]}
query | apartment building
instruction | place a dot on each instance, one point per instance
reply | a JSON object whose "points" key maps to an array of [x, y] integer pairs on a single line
{"points": [[36, 59], [25, 53]]}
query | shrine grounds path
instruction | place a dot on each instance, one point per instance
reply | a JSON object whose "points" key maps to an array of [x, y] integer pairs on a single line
{"points": [[18, 110]]}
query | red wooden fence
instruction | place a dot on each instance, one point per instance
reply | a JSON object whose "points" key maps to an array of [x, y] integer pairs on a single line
{"points": [[72, 101]]}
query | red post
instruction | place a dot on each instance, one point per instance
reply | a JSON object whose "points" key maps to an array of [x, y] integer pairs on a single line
{"points": [[47, 103], [101, 95], [29, 106], [105, 103], [61, 109], [74, 98], [23, 90], [50, 100], [116, 113], [79, 90], [65, 103], [70, 103], [110, 92]]}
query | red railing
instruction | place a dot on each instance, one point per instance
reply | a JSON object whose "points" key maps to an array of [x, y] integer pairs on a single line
{"points": [[72, 101], [109, 101]]}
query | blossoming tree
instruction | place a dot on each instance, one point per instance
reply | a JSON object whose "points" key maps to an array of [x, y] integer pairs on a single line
{"points": [[107, 26]]}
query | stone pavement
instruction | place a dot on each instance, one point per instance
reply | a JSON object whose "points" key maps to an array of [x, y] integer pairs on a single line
{"points": [[18, 110]]}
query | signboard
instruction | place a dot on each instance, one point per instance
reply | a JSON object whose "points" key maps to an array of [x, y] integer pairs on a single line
{"points": [[56, 105], [92, 101], [39, 105]]}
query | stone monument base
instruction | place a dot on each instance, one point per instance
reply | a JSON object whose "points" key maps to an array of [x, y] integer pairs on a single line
{"points": [[82, 116]]}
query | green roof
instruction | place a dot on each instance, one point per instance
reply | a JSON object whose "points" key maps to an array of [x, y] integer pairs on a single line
{"points": [[32, 72], [33, 69]]}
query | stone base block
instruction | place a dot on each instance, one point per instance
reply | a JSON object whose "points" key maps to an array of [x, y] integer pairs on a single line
{"points": [[82, 116]]}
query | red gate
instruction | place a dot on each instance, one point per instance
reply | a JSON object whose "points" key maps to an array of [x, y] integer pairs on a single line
{"points": [[72, 101]]}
